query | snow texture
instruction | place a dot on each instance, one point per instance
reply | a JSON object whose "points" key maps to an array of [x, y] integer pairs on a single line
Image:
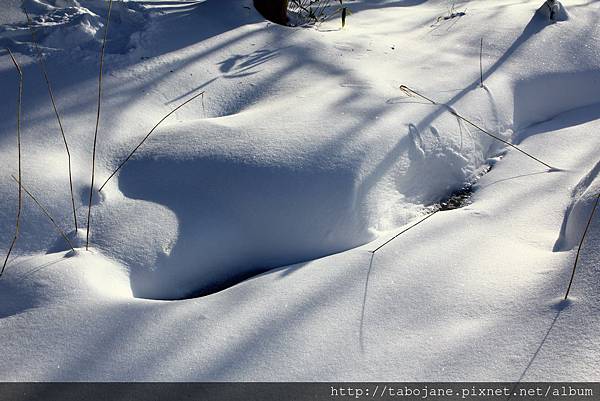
{"points": [[237, 242]]}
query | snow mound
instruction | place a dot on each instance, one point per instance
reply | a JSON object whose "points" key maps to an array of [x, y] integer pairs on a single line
{"points": [[239, 217], [230, 200], [307, 147], [33, 282]]}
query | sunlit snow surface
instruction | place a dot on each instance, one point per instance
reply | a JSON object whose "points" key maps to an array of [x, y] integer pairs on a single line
{"points": [[303, 146]]}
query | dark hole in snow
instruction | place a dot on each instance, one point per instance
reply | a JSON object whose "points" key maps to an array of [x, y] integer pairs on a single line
{"points": [[462, 196], [458, 199]]}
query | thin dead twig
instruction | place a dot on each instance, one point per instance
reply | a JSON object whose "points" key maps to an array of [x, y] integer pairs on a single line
{"points": [[20, 201], [147, 135], [405, 230], [481, 64], [411, 92], [45, 211], [587, 227], [87, 235], [42, 65]]}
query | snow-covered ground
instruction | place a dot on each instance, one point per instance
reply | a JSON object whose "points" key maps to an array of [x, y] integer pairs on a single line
{"points": [[302, 157]]}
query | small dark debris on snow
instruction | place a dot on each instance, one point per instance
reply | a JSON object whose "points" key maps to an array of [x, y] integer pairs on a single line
{"points": [[457, 199], [455, 15], [462, 197]]}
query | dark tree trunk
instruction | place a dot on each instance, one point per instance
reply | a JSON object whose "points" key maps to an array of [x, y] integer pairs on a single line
{"points": [[273, 10]]}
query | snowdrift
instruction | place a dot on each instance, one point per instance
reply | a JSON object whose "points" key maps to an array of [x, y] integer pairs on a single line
{"points": [[262, 202]]}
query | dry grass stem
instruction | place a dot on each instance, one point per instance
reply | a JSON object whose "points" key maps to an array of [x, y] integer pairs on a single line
{"points": [[42, 65], [411, 92], [45, 211], [405, 230], [147, 135], [20, 201], [481, 64], [587, 227], [87, 235]]}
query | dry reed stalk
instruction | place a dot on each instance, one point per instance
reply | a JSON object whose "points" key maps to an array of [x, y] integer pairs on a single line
{"points": [[410, 92], [42, 65], [87, 235], [147, 135], [20, 202], [45, 211], [481, 64], [405, 230], [581, 245]]}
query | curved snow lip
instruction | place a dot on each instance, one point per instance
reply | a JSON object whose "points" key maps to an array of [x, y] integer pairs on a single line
{"points": [[539, 99], [583, 197]]}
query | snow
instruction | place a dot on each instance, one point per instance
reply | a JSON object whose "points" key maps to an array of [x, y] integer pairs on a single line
{"points": [[262, 201]]}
